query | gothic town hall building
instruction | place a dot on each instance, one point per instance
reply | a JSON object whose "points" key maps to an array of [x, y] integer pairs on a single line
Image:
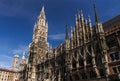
{"points": [[91, 53]]}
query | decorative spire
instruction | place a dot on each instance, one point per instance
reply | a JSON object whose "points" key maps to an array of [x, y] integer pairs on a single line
{"points": [[78, 15], [89, 21], [96, 14], [42, 13], [86, 26], [42, 9], [23, 57], [76, 18], [35, 27], [50, 47], [81, 14], [86, 21], [67, 36]]}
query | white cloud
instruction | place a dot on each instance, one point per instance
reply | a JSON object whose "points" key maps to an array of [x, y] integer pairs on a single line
{"points": [[6, 56], [57, 37], [6, 61], [20, 50], [4, 64]]}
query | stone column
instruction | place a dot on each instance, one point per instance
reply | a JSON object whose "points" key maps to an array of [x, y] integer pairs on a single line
{"points": [[94, 63], [118, 39]]}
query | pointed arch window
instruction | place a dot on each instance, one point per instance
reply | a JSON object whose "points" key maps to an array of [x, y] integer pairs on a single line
{"points": [[81, 62], [99, 60], [97, 48], [74, 64], [89, 59]]}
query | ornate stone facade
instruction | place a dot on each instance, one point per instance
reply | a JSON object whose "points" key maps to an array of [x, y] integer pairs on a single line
{"points": [[91, 53], [9, 75]]}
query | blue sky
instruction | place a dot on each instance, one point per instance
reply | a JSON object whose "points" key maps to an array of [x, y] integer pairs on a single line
{"points": [[17, 18]]}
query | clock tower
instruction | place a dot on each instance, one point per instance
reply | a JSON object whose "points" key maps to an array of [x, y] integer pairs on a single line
{"points": [[40, 34], [39, 46]]}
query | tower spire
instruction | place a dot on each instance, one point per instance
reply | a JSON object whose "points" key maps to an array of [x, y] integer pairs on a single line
{"points": [[67, 37], [23, 56], [43, 8], [96, 14], [42, 13], [38, 28]]}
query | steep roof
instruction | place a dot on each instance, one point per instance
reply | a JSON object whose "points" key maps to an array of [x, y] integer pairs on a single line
{"points": [[115, 21], [6, 70]]}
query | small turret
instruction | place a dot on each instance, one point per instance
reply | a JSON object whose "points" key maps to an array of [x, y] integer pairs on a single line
{"points": [[23, 62], [15, 61]]}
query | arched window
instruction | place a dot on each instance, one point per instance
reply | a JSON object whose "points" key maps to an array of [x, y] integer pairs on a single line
{"points": [[111, 42], [82, 51], [99, 60], [81, 63], [97, 48], [73, 63], [89, 59]]}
